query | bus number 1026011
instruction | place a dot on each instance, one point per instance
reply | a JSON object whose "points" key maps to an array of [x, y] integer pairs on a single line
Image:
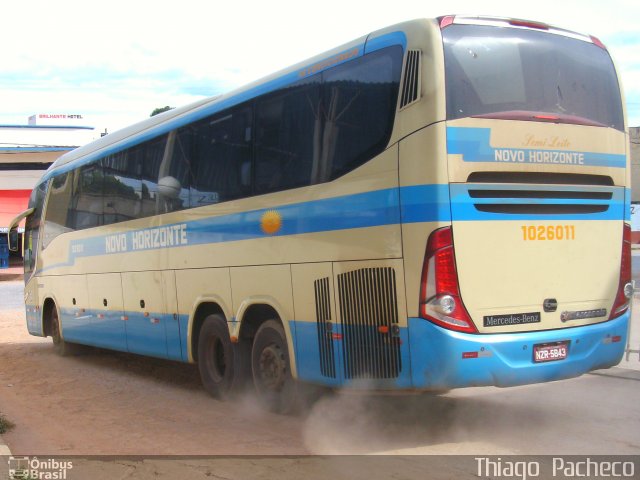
{"points": [[550, 232]]}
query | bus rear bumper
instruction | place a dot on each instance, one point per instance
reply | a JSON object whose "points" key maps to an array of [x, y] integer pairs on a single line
{"points": [[444, 359]]}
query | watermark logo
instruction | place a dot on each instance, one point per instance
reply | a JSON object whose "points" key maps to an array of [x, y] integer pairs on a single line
{"points": [[27, 468], [559, 467]]}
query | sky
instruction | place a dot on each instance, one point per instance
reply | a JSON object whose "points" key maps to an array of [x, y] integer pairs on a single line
{"points": [[115, 61]]}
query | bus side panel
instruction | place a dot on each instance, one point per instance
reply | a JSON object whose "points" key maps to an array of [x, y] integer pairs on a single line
{"points": [[143, 298], [195, 287], [424, 198], [266, 285], [317, 351], [32, 307], [172, 324], [75, 317], [106, 326]]}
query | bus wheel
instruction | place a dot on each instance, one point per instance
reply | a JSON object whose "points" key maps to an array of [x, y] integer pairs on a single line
{"points": [[219, 362], [275, 387]]}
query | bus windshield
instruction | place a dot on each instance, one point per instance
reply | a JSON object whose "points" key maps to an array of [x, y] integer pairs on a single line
{"points": [[503, 72]]}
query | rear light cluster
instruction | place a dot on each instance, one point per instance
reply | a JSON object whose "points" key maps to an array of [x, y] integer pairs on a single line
{"points": [[440, 300], [625, 287]]}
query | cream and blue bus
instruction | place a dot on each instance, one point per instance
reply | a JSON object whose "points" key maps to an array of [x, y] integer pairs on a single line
{"points": [[442, 203]]}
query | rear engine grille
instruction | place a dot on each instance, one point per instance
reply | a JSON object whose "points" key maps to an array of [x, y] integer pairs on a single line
{"points": [[411, 82], [323, 317], [369, 312]]}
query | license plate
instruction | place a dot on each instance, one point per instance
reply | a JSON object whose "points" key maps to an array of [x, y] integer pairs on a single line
{"points": [[550, 352]]}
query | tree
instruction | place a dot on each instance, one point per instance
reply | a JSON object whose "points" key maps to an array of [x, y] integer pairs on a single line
{"points": [[160, 110]]}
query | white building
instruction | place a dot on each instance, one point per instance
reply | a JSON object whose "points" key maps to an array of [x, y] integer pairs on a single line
{"points": [[26, 151]]}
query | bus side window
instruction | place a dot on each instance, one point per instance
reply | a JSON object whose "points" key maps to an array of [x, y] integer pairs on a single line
{"points": [[86, 205], [151, 154], [32, 229], [287, 137], [359, 102], [122, 188], [220, 150], [175, 176], [55, 220]]}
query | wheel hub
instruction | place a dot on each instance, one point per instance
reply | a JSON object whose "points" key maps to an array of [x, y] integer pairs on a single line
{"points": [[273, 367]]}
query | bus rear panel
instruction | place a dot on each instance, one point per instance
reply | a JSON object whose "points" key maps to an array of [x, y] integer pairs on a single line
{"points": [[531, 281]]}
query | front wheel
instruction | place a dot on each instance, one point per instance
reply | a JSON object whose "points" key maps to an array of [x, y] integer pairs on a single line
{"points": [[61, 347], [275, 387]]}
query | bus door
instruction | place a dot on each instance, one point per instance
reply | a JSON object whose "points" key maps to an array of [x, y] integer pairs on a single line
{"points": [[30, 251]]}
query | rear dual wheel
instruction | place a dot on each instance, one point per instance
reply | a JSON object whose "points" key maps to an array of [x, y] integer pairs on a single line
{"points": [[220, 362], [271, 367]]}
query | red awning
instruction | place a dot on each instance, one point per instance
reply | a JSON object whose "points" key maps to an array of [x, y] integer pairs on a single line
{"points": [[12, 202]]}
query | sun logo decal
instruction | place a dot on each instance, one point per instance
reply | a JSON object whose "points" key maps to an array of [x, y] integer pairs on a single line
{"points": [[271, 222]]}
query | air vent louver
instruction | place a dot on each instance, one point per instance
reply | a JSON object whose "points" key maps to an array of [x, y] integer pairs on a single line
{"points": [[323, 317], [411, 82], [369, 313]]}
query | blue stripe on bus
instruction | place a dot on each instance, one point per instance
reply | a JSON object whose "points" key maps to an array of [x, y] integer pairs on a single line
{"points": [[425, 203], [474, 144], [106, 329], [384, 41], [415, 204]]}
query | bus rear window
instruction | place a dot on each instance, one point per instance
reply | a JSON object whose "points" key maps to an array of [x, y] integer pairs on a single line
{"points": [[491, 70]]}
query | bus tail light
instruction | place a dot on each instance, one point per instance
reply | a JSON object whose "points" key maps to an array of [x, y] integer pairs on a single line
{"points": [[446, 21], [625, 287], [440, 300], [596, 41]]}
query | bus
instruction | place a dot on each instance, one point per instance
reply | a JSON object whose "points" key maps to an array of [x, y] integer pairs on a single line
{"points": [[438, 204]]}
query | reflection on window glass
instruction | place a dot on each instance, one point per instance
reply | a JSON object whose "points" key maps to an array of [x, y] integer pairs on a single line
{"points": [[87, 206], [310, 132], [358, 101], [490, 70], [55, 221], [150, 155], [286, 144], [122, 188], [220, 155], [175, 183], [32, 229]]}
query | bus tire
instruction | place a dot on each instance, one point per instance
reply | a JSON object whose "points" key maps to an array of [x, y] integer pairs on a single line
{"points": [[61, 347], [220, 363], [275, 388]]}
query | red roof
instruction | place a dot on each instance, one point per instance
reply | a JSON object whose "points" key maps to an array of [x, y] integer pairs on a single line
{"points": [[12, 202]]}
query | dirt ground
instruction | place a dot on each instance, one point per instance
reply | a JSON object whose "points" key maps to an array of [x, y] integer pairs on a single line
{"points": [[106, 403], [117, 404]]}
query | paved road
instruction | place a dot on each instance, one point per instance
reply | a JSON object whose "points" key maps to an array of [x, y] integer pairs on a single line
{"points": [[11, 295]]}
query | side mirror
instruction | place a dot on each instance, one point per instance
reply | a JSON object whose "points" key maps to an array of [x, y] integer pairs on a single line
{"points": [[13, 239], [13, 236]]}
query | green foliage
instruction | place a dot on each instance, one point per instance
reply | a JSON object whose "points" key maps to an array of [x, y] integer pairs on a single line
{"points": [[161, 110]]}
